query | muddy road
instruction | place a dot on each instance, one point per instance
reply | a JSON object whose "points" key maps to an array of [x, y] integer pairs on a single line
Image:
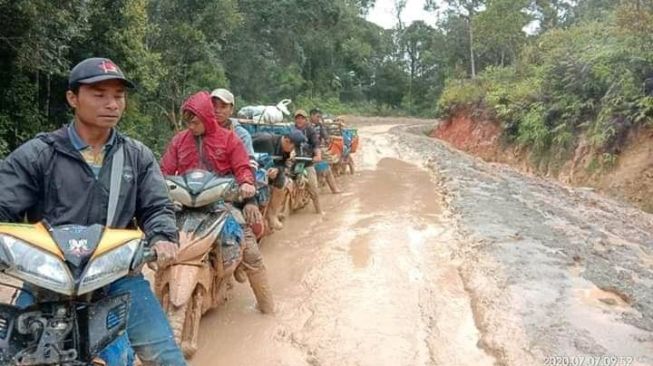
{"points": [[359, 285], [432, 257]]}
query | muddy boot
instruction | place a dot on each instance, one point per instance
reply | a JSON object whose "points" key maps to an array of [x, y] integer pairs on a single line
{"points": [[313, 190], [258, 279], [317, 205], [239, 274], [331, 180], [276, 202]]}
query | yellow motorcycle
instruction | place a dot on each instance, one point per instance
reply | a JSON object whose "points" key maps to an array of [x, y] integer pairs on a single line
{"points": [[71, 320]]}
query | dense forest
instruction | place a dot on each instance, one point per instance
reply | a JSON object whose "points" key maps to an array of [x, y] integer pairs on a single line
{"points": [[584, 79], [544, 67]]}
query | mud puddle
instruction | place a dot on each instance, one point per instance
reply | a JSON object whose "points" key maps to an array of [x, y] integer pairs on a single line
{"points": [[372, 282]]}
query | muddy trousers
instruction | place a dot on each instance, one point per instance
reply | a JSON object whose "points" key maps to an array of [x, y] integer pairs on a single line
{"points": [[277, 198], [331, 180], [313, 188], [148, 329], [256, 273]]}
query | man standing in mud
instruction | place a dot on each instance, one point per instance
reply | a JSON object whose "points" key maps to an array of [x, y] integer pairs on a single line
{"points": [[313, 145], [323, 137], [278, 147], [64, 177]]}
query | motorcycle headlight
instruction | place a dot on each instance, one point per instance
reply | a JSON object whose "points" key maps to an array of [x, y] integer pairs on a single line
{"points": [[36, 266], [108, 267]]}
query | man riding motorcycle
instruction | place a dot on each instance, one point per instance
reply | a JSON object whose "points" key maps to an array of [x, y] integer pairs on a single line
{"points": [[277, 146], [324, 139], [223, 106], [206, 145], [64, 177]]}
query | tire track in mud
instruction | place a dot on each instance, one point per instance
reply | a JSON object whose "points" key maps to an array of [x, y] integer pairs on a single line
{"points": [[373, 282], [551, 270]]}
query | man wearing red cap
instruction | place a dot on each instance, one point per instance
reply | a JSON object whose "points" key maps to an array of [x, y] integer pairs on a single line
{"points": [[65, 178]]}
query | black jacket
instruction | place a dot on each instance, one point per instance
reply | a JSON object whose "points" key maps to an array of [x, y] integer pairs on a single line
{"points": [[47, 178], [312, 137], [270, 144]]}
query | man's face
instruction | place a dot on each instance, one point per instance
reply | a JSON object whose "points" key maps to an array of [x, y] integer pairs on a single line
{"points": [[222, 110], [196, 126], [99, 105], [315, 118], [286, 145], [300, 121]]}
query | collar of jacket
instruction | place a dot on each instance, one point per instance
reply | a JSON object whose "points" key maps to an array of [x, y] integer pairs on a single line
{"points": [[61, 142]]}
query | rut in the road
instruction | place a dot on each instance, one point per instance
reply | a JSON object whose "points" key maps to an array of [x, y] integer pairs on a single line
{"points": [[374, 282]]}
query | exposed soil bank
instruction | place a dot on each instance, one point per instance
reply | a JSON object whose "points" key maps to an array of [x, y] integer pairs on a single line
{"points": [[630, 178]]}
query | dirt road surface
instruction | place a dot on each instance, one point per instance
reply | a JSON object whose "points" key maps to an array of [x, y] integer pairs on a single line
{"points": [[433, 257]]}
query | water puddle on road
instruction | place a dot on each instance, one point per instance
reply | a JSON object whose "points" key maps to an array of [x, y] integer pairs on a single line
{"points": [[372, 282], [600, 312]]}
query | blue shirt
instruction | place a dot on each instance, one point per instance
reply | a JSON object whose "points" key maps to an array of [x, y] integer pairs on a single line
{"points": [[94, 161], [244, 136]]}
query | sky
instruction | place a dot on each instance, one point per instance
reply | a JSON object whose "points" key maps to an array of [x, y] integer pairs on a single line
{"points": [[383, 13]]}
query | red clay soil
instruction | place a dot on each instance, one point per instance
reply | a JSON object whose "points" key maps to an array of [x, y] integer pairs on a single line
{"points": [[478, 137], [630, 179]]}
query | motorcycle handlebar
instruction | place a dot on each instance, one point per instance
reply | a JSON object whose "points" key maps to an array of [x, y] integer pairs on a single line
{"points": [[149, 255]]}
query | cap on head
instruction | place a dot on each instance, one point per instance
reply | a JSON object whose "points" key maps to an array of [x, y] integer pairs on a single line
{"points": [[315, 111], [301, 112], [96, 69], [296, 137], [224, 95]]}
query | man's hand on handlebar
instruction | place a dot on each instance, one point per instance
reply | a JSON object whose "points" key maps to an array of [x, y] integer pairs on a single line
{"points": [[273, 172], [247, 190], [166, 253]]}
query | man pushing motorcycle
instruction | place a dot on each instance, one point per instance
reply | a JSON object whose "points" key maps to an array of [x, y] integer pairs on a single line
{"points": [[206, 145], [65, 177]]}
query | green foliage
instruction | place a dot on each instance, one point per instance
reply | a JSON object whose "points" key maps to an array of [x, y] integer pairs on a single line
{"points": [[583, 79], [582, 71], [460, 94]]}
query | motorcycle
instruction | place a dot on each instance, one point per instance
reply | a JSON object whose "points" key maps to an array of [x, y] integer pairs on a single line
{"points": [[210, 250], [298, 195], [263, 190], [344, 142], [71, 320]]}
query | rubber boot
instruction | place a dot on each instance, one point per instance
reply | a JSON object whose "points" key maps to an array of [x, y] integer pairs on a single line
{"points": [[239, 274], [258, 280], [331, 181], [316, 204], [276, 202]]}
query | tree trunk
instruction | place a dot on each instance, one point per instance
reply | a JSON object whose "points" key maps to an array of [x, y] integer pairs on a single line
{"points": [[47, 96], [471, 47]]}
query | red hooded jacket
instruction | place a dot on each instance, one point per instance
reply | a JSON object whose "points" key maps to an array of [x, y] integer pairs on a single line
{"points": [[221, 147]]}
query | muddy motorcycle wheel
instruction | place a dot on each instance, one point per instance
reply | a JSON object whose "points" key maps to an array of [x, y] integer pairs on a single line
{"points": [[185, 321]]}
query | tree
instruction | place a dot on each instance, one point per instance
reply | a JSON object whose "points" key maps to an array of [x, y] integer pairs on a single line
{"points": [[467, 10], [500, 30]]}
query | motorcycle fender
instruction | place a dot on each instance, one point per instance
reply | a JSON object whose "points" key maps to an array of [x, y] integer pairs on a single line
{"points": [[183, 280]]}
